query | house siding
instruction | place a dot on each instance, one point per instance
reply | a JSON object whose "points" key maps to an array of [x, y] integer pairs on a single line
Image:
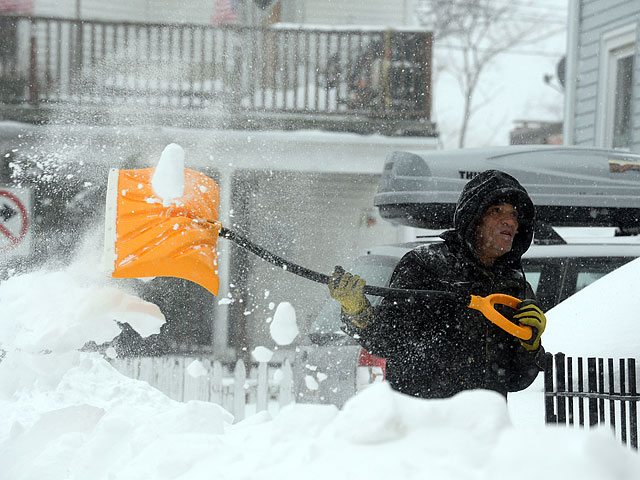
{"points": [[597, 18], [351, 12], [160, 11], [391, 13]]}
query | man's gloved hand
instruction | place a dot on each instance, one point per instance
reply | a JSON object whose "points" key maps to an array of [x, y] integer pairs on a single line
{"points": [[348, 289], [528, 313]]}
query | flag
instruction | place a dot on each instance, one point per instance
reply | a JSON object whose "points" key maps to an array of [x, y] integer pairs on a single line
{"points": [[21, 7], [224, 11]]}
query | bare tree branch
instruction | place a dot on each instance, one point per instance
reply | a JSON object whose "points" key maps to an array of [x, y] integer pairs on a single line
{"points": [[478, 31]]}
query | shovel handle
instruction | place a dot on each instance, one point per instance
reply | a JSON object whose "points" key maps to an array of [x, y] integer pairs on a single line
{"points": [[318, 277], [486, 306]]}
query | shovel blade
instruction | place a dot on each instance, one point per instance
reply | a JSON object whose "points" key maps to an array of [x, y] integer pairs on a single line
{"points": [[146, 238]]}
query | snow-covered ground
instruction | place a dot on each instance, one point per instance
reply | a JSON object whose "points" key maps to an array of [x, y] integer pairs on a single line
{"points": [[68, 414], [71, 416]]}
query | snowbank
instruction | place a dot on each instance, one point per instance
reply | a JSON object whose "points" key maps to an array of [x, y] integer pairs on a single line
{"points": [[52, 311], [73, 416], [601, 320], [70, 415]]}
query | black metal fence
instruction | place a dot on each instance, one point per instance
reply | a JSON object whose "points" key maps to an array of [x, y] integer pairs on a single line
{"points": [[299, 70], [593, 391]]}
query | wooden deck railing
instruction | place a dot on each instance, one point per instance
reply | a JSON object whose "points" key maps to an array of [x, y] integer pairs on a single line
{"points": [[382, 74]]}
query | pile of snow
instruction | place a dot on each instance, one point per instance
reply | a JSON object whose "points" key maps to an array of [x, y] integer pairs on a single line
{"points": [[69, 414], [73, 416], [601, 320], [52, 311]]}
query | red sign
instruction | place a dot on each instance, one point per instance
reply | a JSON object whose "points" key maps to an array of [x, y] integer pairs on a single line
{"points": [[14, 221]]}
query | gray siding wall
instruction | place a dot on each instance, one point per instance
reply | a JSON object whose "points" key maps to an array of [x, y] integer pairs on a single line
{"points": [[161, 11], [152, 11], [326, 12], [597, 18], [354, 12]]}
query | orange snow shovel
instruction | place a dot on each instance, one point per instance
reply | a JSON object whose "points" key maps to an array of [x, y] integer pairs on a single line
{"points": [[144, 237]]}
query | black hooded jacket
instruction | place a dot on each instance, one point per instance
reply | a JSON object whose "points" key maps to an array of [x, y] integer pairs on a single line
{"points": [[436, 348]]}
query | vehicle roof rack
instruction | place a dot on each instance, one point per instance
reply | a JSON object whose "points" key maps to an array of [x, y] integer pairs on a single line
{"points": [[627, 232], [570, 186], [544, 234]]}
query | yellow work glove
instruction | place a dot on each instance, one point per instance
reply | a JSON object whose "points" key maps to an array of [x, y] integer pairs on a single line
{"points": [[528, 313], [348, 289]]}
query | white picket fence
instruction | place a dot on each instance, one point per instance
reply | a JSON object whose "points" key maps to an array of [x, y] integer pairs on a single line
{"points": [[263, 388]]}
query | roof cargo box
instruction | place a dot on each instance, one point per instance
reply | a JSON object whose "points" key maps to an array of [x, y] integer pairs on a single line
{"points": [[570, 186]]}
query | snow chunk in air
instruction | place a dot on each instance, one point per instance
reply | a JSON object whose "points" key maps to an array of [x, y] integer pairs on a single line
{"points": [[262, 354], [284, 328], [196, 369], [168, 178]]}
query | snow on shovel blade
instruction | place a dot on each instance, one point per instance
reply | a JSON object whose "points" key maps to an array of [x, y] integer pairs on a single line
{"points": [[146, 236]]}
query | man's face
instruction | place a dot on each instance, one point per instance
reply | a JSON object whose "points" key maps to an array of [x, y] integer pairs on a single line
{"points": [[495, 232]]}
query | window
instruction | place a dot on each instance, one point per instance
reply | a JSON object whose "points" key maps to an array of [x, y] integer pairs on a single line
{"points": [[587, 278], [616, 89], [584, 271], [621, 137], [545, 277]]}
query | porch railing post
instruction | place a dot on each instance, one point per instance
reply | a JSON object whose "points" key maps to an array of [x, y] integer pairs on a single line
{"points": [[593, 388], [34, 91], [612, 391], [549, 411], [560, 385], [623, 404], [633, 404], [428, 60]]}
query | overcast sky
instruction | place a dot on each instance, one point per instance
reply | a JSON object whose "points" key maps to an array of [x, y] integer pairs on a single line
{"points": [[512, 89]]}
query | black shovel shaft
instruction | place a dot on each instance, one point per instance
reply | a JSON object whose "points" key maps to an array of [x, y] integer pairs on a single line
{"points": [[278, 261]]}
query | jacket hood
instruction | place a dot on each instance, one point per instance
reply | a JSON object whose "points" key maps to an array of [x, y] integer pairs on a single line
{"points": [[489, 188]]}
